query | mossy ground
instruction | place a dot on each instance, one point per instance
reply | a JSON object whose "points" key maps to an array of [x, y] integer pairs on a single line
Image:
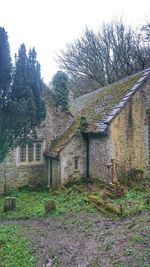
{"points": [[76, 233]]}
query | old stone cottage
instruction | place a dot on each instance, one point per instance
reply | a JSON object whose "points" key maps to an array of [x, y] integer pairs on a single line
{"points": [[109, 126]]}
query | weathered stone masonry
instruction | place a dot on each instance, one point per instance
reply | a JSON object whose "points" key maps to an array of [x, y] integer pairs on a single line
{"points": [[129, 133], [76, 148], [99, 157], [13, 175], [116, 129]]}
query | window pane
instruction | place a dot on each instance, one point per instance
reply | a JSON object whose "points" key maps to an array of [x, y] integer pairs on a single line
{"points": [[30, 153], [76, 163], [38, 151], [23, 154]]}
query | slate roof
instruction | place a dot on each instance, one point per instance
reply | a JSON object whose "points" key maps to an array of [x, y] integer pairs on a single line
{"points": [[99, 108], [102, 105]]}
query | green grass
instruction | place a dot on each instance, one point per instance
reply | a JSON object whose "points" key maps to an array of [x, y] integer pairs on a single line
{"points": [[137, 239], [71, 200], [118, 263], [31, 204], [134, 201], [14, 251]]}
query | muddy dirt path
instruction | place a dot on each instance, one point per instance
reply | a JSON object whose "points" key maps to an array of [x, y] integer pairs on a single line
{"points": [[89, 240]]}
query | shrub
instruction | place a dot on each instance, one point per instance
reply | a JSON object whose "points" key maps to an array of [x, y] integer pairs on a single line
{"points": [[131, 177]]}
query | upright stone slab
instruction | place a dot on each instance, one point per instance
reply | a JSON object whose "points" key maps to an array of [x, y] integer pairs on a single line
{"points": [[9, 204]]}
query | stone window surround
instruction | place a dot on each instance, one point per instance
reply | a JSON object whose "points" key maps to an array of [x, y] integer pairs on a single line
{"points": [[34, 162]]}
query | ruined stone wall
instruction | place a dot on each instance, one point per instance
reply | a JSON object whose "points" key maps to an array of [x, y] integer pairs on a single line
{"points": [[13, 176], [129, 132], [76, 148], [99, 157]]}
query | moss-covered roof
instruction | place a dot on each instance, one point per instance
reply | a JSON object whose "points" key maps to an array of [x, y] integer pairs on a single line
{"points": [[59, 143], [98, 108], [96, 105]]}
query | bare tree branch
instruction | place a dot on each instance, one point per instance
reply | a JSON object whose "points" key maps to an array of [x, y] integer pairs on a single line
{"points": [[115, 52]]}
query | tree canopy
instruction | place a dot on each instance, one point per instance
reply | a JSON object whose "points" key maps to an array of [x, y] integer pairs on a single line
{"points": [[24, 109], [60, 89], [98, 59], [5, 67], [146, 31]]}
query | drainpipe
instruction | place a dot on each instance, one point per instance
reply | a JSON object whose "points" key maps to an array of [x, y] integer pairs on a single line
{"points": [[49, 184], [51, 178], [87, 157]]}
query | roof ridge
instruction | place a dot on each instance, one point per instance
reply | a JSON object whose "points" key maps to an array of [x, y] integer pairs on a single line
{"points": [[121, 80], [106, 113]]}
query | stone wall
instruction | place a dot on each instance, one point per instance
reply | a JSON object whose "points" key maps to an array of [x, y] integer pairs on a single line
{"points": [[99, 157], [55, 124], [126, 142], [13, 176], [129, 132], [76, 148]]}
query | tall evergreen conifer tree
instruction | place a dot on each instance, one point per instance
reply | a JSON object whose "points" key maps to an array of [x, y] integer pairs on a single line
{"points": [[5, 82], [25, 109], [26, 93], [36, 83], [5, 67], [61, 90]]}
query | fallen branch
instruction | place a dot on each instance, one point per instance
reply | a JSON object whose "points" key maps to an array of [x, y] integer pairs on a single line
{"points": [[101, 203]]}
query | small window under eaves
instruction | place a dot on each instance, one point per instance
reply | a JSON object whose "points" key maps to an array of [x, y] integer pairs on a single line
{"points": [[76, 163]]}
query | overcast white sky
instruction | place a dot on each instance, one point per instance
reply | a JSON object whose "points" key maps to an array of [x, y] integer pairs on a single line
{"points": [[49, 24]]}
